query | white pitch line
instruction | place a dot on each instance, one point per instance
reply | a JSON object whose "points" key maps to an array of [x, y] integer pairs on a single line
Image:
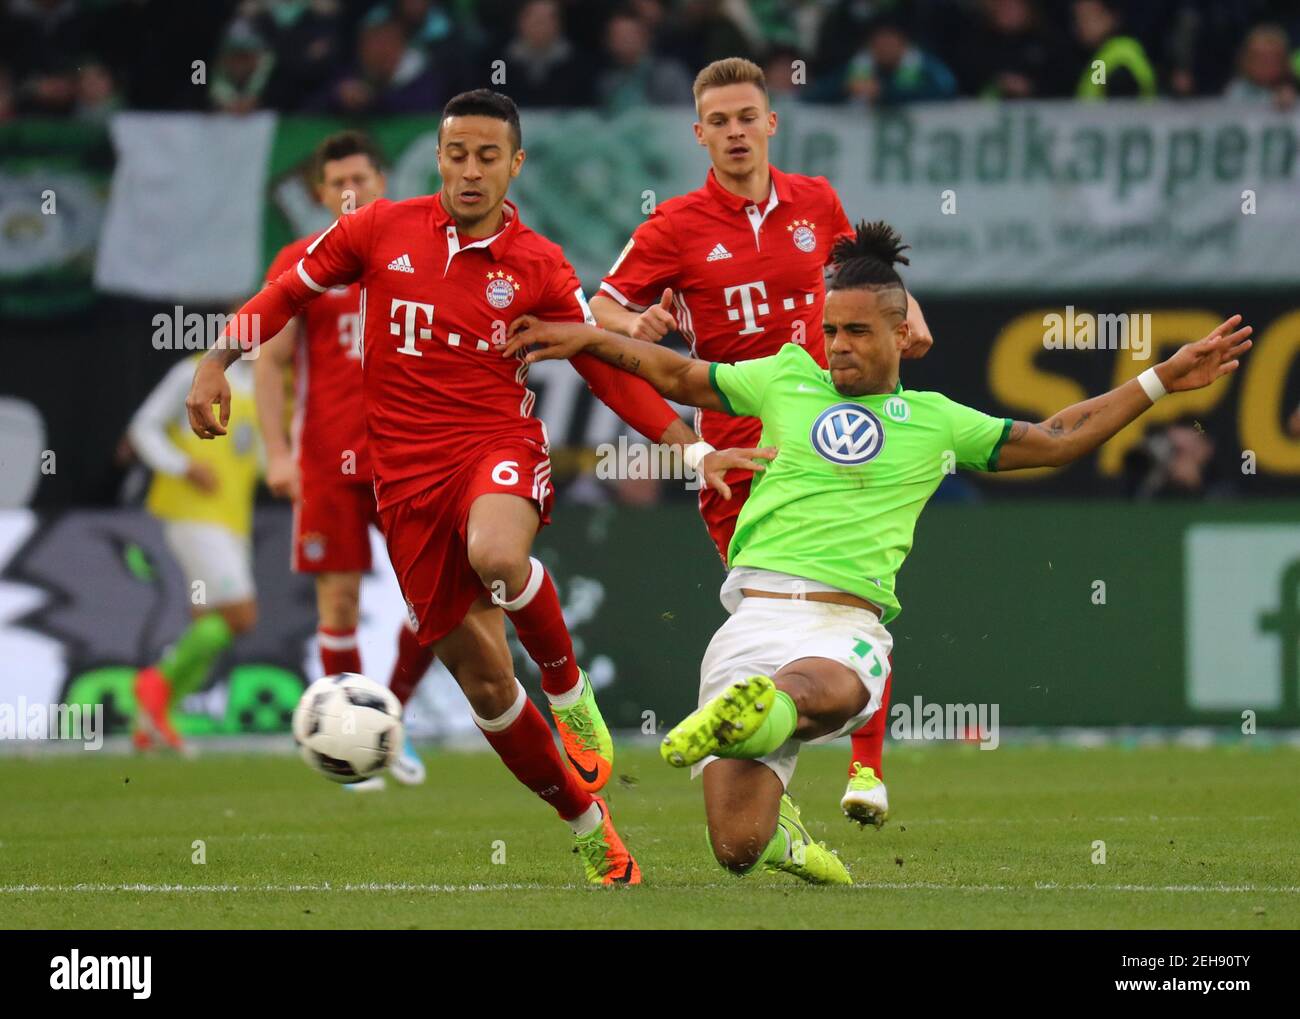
{"points": [[919, 822], [456, 889], [262, 889], [1039, 886]]}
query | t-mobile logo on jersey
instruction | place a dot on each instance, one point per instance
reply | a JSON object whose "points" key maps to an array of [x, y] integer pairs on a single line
{"points": [[407, 328], [749, 309]]}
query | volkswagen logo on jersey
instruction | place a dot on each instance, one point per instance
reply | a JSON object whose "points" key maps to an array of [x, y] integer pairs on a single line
{"points": [[501, 289], [847, 435]]}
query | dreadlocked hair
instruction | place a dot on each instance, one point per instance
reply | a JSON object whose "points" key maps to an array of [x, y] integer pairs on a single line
{"points": [[867, 259]]}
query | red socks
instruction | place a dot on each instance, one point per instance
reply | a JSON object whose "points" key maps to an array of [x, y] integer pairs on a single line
{"points": [[869, 741], [413, 661], [539, 622], [339, 653], [523, 741], [338, 650]]}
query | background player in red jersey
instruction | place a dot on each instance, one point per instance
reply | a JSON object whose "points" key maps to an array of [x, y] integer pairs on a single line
{"points": [[737, 267], [324, 466], [462, 476]]}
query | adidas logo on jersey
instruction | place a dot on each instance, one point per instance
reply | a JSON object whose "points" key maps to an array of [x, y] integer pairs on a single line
{"points": [[718, 253], [402, 264]]}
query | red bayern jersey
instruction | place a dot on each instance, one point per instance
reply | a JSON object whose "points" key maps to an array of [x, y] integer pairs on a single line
{"points": [[329, 424], [434, 310], [742, 274]]}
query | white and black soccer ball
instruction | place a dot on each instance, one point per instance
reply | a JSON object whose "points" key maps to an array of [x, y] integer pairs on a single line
{"points": [[348, 727]]}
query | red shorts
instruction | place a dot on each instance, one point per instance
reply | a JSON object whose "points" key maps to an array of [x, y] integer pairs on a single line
{"points": [[720, 514], [426, 533], [331, 531]]}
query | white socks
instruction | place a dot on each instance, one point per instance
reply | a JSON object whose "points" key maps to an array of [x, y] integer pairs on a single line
{"points": [[506, 720], [570, 697], [588, 821], [536, 574]]}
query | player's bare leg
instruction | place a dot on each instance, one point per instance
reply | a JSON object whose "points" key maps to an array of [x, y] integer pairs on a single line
{"points": [[338, 605], [184, 669], [754, 824], [499, 537], [865, 799], [751, 821], [741, 803], [478, 657]]}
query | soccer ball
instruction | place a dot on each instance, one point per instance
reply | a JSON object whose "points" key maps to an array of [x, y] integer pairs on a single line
{"points": [[348, 727]]}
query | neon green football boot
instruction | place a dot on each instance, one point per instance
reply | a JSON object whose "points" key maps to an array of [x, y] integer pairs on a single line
{"points": [[605, 859], [731, 716], [587, 744], [865, 800], [808, 859]]}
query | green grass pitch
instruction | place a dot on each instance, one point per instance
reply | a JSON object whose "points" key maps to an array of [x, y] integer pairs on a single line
{"points": [[1193, 838]]}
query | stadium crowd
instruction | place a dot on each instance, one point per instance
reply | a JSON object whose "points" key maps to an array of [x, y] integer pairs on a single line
{"points": [[87, 58]]}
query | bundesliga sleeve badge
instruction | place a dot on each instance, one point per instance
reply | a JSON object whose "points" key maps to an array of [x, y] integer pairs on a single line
{"points": [[501, 289], [801, 230]]}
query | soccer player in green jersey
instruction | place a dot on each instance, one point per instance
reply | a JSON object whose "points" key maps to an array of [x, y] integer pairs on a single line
{"points": [[854, 458]]}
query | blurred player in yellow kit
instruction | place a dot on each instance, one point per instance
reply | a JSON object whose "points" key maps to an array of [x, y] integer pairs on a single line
{"points": [[202, 492]]}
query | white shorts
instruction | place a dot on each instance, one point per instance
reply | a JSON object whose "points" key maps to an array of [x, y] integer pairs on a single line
{"points": [[765, 634], [218, 557]]}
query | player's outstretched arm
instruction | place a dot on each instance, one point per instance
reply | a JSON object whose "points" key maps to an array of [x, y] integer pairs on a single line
{"points": [[1081, 428], [683, 379], [266, 313], [335, 257]]}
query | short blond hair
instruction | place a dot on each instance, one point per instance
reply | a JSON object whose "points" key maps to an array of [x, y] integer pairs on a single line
{"points": [[729, 71]]}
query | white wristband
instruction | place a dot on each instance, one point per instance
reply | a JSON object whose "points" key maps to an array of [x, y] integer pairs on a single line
{"points": [[694, 453], [1151, 385]]}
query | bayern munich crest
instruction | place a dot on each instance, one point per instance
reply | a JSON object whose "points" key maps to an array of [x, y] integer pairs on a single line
{"points": [[847, 435], [501, 289], [313, 547], [802, 233]]}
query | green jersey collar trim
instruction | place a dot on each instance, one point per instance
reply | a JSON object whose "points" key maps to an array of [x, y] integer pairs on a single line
{"points": [[713, 381], [997, 446]]}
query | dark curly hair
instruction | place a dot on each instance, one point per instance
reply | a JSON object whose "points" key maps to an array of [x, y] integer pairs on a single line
{"points": [[866, 261]]}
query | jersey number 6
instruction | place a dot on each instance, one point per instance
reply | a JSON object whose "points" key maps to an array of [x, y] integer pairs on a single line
{"points": [[505, 473]]}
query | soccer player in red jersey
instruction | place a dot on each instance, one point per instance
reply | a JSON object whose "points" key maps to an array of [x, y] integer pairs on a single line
{"points": [[737, 267], [324, 466], [462, 476]]}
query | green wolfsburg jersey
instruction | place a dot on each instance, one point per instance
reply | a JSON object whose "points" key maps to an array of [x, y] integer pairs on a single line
{"points": [[840, 503]]}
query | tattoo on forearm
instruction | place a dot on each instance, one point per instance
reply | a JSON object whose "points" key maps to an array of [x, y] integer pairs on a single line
{"points": [[1021, 428], [1054, 428], [224, 356], [1057, 426]]}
